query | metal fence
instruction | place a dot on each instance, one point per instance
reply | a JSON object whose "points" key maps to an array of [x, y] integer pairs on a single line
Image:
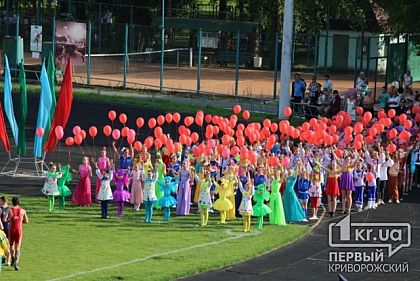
{"points": [[245, 64]]}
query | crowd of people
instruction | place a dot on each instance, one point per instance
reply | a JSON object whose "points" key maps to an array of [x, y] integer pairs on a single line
{"points": [[318, 99]]}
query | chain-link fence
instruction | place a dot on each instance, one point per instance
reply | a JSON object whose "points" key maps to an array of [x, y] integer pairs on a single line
{"points": [[237, 60]]}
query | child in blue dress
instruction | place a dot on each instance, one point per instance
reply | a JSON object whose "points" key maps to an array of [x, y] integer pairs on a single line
{"points": [[167, 201]]}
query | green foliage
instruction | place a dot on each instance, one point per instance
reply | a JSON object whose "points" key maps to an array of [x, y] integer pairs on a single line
{"points": [[403, 15]]}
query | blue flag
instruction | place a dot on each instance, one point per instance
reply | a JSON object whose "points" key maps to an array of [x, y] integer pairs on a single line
{"points": [[45, 103], [8, 101]]}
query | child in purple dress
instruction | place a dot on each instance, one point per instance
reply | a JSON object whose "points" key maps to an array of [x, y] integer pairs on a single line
{"points": [[121, 193]]}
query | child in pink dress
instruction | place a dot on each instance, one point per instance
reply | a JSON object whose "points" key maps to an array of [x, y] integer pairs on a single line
{"points": [[82, 194], [136, 188], [103, 165]]}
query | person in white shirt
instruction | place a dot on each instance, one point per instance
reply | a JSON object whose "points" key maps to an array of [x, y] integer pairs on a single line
{"points": [[408, 80], [383, 176], [393, 101], [328, 84]]}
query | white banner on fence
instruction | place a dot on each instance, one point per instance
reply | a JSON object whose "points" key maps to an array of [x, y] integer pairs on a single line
{"points": [[36, 38]]}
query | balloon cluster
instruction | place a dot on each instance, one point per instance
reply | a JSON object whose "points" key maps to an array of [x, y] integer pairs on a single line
{"points": [[230, 137]]}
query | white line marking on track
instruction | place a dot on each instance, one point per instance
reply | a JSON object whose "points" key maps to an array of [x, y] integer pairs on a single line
{"points": [[228, 231]]}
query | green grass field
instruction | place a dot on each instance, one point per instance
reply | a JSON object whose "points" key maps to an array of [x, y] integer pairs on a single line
{"points": [[76, 244]]}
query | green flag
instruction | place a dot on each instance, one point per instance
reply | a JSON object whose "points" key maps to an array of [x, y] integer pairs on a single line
{"points": [[51, 78], [23, 112]]}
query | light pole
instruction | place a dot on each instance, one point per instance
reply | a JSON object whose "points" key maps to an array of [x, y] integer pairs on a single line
{"points": [[162, 44], [286, 57]]}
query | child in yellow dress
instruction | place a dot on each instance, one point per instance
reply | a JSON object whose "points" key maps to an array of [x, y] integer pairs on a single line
{"points": [[231, 181], [223, 205]]}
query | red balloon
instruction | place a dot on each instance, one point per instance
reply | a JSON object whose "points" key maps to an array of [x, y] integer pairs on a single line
{"points": [[339, 153], [93, 131], [112, 115], [367, 116], [405, 135], [123, 118], [199, 121], [285, 161], [137, 146], [392, 148], [402, 118], [373, 132], [115, 134], [148, 142], [234, 150], [274, 127], [176, 117], [267, 122], [107, 130], [237, 108], [83, 134], [370, 177], [188, 121], [408, 124], [78, 139], [287, 111], [69, 141], [415, 109], [392, 134], [359, 110], [151, 123], [369, 140], [158, 132], [391, 113], [76, 130], [246, 115], [39, 132], [160, 120], [59, 132], [139, 122], [168, 118], [357, 145], [124, 131], [208, 118], [348, 130]]}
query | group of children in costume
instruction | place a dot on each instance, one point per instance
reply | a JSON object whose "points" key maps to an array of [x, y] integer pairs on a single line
{"points": [[287, 176]]}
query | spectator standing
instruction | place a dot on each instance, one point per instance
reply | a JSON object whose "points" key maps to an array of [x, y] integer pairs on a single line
{"points": [[328, 84], [336, 103], [359, 83], [298, 92], [298, 89], [408, 80], [350, 105]]}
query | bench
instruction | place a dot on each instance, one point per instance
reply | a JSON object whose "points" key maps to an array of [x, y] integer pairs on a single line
{"points": [[225, 57]]}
